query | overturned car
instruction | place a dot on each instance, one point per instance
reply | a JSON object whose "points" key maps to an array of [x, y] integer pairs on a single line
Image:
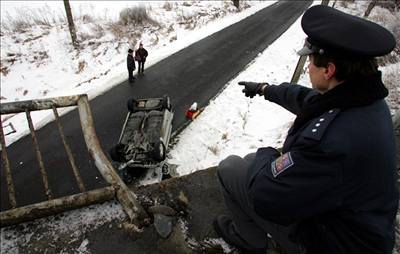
{"points": [[144, 139]]}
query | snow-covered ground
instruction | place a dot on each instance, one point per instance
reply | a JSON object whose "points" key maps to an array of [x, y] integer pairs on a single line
{"points": [[235, 124], [40, 62], [230, 124]]}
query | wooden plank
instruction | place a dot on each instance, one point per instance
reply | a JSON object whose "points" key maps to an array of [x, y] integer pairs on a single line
{"points": [[54, 206]]}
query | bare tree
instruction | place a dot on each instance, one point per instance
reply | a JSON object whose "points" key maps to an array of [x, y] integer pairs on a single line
{"points": [[371, 5], [71, 24]]}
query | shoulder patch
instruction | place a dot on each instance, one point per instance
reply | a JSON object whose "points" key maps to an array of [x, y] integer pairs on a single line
{"points": [[319, 125], [279, 165]]}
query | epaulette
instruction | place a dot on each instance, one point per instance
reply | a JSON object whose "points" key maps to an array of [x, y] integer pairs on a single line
{"points": [[316, 129]]}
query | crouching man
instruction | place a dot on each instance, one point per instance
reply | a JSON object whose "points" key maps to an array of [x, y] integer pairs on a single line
{"points": [[332, 189]]}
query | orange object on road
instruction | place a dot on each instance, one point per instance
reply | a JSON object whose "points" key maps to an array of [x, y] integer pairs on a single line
{"points": [[193, 111]]}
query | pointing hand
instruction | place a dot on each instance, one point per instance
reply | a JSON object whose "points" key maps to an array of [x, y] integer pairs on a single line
{"points": [[252, 88]]}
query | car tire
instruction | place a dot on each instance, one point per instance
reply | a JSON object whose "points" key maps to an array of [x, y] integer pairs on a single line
{"points": [[159, 152], [116, 153], [126, 177], [131, 105]]}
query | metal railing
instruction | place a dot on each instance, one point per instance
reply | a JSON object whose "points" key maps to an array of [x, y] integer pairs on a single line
{"points": [[118, 189]]}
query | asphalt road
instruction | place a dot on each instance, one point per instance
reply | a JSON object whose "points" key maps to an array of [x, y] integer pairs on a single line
{"points": [[196, 73]]}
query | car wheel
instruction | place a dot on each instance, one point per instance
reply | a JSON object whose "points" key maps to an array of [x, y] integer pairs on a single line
{"points": [[131, 104], [136, 172], [126, 177], [117, 152], [159, 151]]}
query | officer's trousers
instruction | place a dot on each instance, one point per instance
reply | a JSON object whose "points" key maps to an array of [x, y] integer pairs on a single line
{"points": [[232, 174]]}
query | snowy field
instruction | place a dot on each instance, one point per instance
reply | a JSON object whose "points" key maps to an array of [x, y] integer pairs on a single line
{"points": [[33, 61], [230, 124]]}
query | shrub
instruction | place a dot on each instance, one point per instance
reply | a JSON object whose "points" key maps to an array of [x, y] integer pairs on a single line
{"points": [[167, 6], [391, 21], [134, 15], [87, 19]]}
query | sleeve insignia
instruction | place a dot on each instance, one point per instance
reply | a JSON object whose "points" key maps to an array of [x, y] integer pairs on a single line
{"points": [[281, 164]]}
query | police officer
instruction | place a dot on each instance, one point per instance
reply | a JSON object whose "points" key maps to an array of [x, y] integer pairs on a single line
{"points": [[332, 188]]}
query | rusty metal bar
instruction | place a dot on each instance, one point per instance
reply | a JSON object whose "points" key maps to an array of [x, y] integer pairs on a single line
{"points": [[69, 152], [33, 105], [38, 155], [127, 198], [54, 206], [7, 168]]}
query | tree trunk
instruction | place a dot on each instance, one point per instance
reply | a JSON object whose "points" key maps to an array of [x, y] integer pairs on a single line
{"points": [[71, 24], [370, 7], [236, 3]]}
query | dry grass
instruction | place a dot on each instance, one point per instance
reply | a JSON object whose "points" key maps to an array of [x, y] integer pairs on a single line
{"points": [[214, 149], [135, 16], [86, 18], [81, 66], [24, 19], [4, 70], [167, 6], [40, 55]]}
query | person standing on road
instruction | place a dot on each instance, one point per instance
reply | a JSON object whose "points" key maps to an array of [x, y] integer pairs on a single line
{"points": [[131, 65], [140, 56], [332, 189]]}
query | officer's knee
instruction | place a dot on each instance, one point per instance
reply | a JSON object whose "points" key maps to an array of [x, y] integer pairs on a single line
{"points": [[249, 158], [228, 163], [229, 166]]}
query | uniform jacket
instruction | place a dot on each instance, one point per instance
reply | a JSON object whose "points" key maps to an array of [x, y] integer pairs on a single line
{"points": [[141, 54], [130, 62], [335, 180]]}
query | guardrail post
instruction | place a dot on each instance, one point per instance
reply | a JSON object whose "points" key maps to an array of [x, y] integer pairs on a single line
{"points": [[10, 184], [127, 198]]}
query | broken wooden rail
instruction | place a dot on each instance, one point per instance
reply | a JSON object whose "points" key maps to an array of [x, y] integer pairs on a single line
{"points": [[117, 189]]}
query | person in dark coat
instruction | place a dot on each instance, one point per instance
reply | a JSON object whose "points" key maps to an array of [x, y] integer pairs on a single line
{"points": [[332, 187], [130, 61], [140, 56]]}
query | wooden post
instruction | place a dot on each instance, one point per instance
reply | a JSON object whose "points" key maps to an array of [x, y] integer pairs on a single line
{"points": [[71, 24], [302, 60], [46, 208], [371, 5], [127, 198], [236, 3], [298, 70], [325, 2]]}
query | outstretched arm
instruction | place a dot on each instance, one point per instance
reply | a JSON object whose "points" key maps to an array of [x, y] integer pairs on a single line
{"points": [[291, 97]]}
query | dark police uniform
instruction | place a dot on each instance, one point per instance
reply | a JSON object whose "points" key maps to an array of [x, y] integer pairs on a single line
{"points": [[334, 183], [336, 176]]}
